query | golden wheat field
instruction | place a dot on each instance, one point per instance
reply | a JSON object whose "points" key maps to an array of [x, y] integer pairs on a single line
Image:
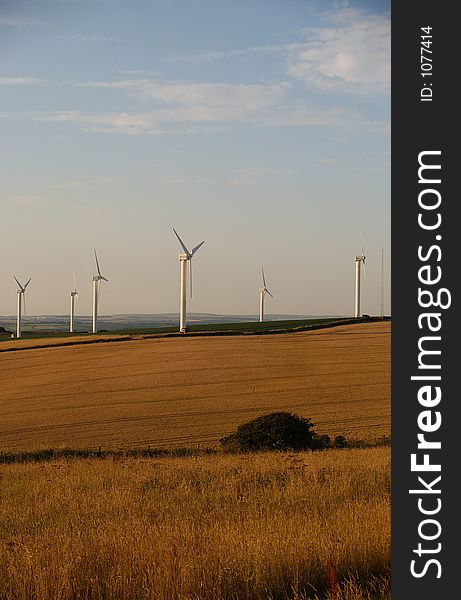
{"points": [[266, 526], [190, 391]]}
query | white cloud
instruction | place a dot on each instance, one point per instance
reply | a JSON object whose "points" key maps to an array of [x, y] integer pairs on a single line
{"points": [[351, 54], [178, 106], [21, 81], [196, 107], [190, 101], [211, 117]]}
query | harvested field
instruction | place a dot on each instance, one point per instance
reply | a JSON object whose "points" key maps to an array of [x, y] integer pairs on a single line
{"points": [[190, 391]]}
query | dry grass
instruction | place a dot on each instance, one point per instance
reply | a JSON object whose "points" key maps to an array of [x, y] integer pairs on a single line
{"points": [[169, 392], [253, 527]]}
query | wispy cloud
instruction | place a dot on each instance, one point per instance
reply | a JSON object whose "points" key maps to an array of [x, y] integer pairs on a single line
{"points": [[88, 183], [15, 22], [249, 176], [21, 81], [226, 54], [209, 117], [177, 106], [138, 72], [184, 180], [350, 54], [203, 101], [130, 124], [89, 37]]}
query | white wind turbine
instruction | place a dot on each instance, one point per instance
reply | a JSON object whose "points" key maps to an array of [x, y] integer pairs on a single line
{"points": [[21, 295], [359, 262], [185, 257], [262, 292], [96, 283], [73, 297]]}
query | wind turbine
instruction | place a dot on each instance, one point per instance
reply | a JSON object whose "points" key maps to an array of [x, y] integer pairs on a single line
{"points": [[359, 261], [96, 283], [184, 257], [382, 283], [262, 292], [73, 297], [21, 294]]}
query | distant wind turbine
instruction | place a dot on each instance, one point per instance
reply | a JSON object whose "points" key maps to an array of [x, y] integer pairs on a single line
{"points": [[382, 283], [21, 296], [184, 258], [262, 292], [359, 262], [73, 297], [96, 283]]}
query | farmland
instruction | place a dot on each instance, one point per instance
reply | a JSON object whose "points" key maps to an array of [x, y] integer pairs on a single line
{"points": [[208, 525], [167, 392]]}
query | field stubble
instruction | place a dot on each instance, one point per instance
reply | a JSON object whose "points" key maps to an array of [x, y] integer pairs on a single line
{"points": [[273, 526], [192, 391]]}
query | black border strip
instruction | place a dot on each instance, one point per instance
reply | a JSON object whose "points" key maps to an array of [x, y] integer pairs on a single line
{"points": [[419, 126]]}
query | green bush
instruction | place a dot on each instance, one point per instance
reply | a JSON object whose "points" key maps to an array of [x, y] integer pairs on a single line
{"points": [[276, 431], [340, 442], [321, 442]]}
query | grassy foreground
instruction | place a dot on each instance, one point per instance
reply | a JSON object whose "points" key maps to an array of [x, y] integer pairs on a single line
{"points": [[274, 526]]}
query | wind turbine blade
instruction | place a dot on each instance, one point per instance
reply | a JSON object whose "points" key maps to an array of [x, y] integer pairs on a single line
{"points": [[25, 308], [269, 293], [361, 241], [30, 279], [194, 250], [264, 279], [103, 278], [97, 262], [76, 296], [17, 281], [190, 275], [183, 246], [75, 283]]}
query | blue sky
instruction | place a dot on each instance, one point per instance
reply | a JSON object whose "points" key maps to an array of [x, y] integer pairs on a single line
{"points": [[262, 127]]}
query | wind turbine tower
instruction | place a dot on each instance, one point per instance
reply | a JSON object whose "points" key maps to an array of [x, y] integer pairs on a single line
{"points": [[359, 262], [184, 258], [21, 296], [262, 292], [96, 283], [73, 297]]}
